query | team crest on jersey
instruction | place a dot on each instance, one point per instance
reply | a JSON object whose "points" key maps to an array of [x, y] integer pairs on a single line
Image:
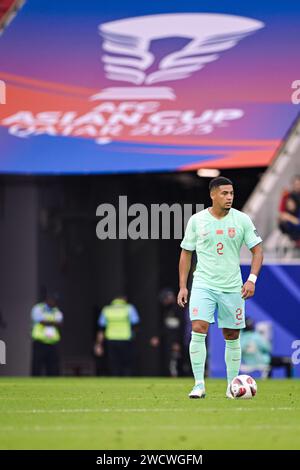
{"points": [[231, 232]]}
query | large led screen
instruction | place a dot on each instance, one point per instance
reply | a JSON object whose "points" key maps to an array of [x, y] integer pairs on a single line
{"points": [[132, 86]]}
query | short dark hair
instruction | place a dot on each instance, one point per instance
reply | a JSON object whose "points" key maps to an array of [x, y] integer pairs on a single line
{"points": [[214, 183]]}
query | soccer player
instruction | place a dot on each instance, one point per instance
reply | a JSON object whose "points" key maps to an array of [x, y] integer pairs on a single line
{"points": [[217, 234]]}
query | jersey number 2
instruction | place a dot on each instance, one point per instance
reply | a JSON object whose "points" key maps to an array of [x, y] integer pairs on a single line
{"points": [[220, 247], [239, 314]]}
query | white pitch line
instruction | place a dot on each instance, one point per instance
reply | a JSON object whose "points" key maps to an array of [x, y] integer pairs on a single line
{"points": [[143, 410], [136, 427]]}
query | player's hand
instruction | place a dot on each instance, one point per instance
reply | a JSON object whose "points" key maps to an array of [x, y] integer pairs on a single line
{"points": [[248, 290], [182, 297]]}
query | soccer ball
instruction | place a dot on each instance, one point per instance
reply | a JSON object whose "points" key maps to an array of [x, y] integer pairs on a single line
{"points": [[243, 386]]}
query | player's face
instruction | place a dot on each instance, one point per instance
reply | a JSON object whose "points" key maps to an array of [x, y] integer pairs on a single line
{"points": [[222, 196]]}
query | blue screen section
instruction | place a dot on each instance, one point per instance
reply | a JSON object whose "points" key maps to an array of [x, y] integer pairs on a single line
{"points": [[276, 300], [77, 156]]}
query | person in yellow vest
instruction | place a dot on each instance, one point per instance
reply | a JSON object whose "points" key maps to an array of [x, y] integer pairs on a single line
{"points": [[47, 320], [118, 323]]}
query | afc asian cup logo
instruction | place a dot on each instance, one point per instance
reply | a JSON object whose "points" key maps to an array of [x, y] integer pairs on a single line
{"points": [[128, 55]]}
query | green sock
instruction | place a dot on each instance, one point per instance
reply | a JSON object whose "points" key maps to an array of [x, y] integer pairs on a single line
{"points": [[198, 355], [232, 358]]}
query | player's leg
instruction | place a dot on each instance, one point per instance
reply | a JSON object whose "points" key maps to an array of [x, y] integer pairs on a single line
{"points": [[202, 307], [231, 318], [198, 356], [232, 355]]}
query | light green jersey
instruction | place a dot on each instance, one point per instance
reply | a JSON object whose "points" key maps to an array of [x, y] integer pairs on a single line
{"points": [[218, 243]]}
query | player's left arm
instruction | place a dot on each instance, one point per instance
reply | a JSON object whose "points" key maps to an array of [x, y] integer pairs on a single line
{"points": [[248, 288]]}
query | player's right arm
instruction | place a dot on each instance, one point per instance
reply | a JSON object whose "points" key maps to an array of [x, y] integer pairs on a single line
{"points": [[188, 245], [184, 269]]}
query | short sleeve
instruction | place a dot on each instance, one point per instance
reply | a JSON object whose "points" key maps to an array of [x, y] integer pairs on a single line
{"points": [[102, 320], [59, 316], [37, 314], [251, 236], [133, 315], [190, 237]]}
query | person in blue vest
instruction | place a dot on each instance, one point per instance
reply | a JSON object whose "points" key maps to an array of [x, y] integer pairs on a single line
{"points": [[47, 320], [117, 324]]}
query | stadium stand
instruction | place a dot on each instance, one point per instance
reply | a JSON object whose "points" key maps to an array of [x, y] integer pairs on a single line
{"points": [[263, 204], [8, 10]]}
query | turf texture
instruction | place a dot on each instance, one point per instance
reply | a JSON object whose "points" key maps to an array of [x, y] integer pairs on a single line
{"points": [[145, 413]]}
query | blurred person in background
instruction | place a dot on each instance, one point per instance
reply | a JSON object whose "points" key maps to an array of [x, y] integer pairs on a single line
{"points": [[257, 353], [256, 350], [289, 211], [100, 360], [170, 336], [47, 321], [118, 323]]}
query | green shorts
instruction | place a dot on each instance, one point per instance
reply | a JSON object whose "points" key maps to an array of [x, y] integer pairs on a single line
{"points": [[230, 305]]}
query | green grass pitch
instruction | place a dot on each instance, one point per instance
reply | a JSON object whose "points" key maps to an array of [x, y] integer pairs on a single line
{"points": [[145, 413]]}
